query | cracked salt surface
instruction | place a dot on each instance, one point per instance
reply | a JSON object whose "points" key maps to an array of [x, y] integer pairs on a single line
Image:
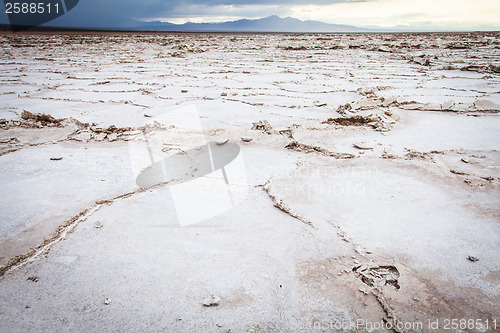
{"points": [[420, 202]]}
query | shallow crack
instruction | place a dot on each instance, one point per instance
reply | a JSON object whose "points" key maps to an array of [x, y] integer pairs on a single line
{"points": [[392, 318], [343, 235], [58, 235], [27, 145], [278, 203], [297, 146], [10, 151], [66, 228]]}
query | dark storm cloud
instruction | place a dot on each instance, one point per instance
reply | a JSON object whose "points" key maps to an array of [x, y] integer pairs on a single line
{"points": [[123, 13], [134, 8]]}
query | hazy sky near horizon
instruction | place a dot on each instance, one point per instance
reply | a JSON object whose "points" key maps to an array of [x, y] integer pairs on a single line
{"points": [[440, 14]]}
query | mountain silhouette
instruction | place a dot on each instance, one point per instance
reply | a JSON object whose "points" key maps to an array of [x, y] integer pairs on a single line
{"points": [[272, 23]]}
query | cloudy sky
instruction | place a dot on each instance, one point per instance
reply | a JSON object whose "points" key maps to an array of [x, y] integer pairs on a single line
{"points": [[437, 14]]}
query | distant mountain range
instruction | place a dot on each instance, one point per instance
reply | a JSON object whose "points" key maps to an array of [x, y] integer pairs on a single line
{"points": [[268, 24]]}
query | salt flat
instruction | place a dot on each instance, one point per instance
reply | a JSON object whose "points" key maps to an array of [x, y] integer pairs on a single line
{"points": [[363, 190]]}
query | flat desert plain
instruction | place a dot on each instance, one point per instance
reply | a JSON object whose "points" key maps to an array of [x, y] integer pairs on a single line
{"points": [[250, 182]]}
